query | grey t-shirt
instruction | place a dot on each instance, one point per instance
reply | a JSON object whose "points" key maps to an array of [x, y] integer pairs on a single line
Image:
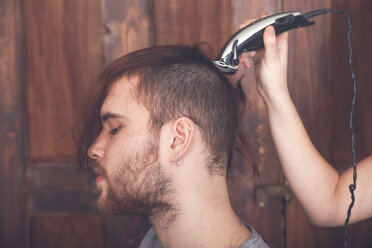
{"points": [[151, 240]]}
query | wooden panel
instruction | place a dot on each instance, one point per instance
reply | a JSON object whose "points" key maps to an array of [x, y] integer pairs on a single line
{"points": [[11, 126], [359, 12], [125, 231], [63, 42], [128, 27], [243, 10], [360, 234], [310, 86], [242, 186], [320, 83], [192, 22], [342, 93], [61, 188], [66, 231]]}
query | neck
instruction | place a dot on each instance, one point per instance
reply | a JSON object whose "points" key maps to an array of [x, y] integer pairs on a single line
{"points": [[204, 218]]}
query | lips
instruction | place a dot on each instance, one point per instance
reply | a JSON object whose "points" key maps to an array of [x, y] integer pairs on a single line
{"points": [[99, 179], [98, 172]]}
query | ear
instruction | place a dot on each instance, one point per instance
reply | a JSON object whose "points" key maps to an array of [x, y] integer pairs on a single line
{"points": [[183, 132]]}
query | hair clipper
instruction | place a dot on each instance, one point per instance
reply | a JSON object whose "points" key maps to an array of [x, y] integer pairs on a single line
{"points": [[250, 38]]}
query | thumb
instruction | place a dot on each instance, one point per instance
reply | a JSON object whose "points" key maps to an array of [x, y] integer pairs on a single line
{"points": [[269, 39]]}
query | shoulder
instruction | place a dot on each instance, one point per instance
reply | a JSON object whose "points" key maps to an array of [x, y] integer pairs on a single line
{"points": [[255, 241], [150, 240]]}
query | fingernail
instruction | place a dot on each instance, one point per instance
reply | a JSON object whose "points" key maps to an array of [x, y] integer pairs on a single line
{"points": [[270, 31]]}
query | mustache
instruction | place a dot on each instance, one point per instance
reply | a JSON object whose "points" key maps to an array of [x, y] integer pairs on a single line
{"points": [[97, 168]]}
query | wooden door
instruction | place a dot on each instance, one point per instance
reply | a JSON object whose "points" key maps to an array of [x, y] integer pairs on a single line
{"points": [[71, 41], [51, 50], [321, 85], [12, 227], [63, 53]]}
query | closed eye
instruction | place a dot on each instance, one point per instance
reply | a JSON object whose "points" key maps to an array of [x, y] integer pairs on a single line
{"points": [[115, 130]]}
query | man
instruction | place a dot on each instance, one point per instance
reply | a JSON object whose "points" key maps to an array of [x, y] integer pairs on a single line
{"points": [[160, 134]]}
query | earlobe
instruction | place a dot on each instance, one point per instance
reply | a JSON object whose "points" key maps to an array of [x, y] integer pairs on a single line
{"points": [[183, 131]]}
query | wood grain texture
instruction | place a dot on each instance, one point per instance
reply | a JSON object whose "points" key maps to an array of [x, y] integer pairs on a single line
{"points": [[128, 27], [342, 92], [320, 84], [192, 22], [242, 185], [66, 231], [61, 189], [361, 38], [310, 86], [11, 126], [63, 42], [125, 231]]}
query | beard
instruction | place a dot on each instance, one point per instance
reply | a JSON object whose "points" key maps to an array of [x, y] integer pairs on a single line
{"points": [[139, 186]]}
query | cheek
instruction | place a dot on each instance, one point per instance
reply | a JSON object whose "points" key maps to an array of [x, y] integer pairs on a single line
{"points": [[115, 154], [165, 140], [164, 155], [122, 147]]}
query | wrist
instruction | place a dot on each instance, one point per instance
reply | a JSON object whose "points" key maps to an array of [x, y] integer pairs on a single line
{"points": [[274, 98]]}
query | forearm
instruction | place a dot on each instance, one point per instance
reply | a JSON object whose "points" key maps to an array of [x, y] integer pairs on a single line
{"points": [[312, 179], [320, 190]]}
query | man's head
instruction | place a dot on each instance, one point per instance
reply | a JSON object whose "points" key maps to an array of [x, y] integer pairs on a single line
{"points": [[151, 88]]}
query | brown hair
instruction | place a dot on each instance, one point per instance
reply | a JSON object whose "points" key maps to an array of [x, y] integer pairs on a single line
{"points": [[174, 81]]}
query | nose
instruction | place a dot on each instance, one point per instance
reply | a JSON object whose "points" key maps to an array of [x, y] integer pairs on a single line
{"points": [[97, 150]]}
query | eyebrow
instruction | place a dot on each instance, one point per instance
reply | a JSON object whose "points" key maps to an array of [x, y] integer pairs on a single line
{"points": [[109, 115]]}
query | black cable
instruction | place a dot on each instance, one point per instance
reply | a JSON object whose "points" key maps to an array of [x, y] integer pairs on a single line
{"points": [[352, 187]]}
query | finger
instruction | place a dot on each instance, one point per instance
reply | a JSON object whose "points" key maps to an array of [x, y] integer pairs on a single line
{"points": [[245, 60], [269, 38], [282, 45], [258, 57], [247, 64], [251, 54]]}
